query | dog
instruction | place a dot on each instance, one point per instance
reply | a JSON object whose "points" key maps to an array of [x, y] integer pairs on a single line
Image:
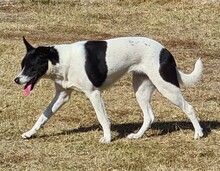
{"points": [[93, 66]]}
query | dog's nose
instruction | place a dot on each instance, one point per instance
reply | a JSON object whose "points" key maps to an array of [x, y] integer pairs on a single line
{"points": [[17, 80]]}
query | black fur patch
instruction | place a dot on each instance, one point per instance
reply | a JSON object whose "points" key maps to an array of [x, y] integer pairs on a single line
{"points": [[95, 65], [35, 62], [168, 67]]}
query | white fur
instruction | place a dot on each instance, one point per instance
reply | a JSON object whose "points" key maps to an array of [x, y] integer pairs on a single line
{"points": [[128, 54], [192, 78]]}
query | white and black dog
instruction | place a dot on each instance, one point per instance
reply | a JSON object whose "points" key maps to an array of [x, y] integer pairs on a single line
{"points": [[93, 66]]}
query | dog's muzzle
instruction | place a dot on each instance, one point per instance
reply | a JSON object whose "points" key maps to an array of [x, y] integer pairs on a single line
{"points": [[21, 79]]}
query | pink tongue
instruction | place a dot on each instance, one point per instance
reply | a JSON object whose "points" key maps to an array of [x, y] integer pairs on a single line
{"points": [[27, 90]]}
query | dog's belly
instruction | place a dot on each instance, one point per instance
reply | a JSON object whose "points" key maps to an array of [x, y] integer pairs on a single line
{"points": [[112, 78], [118, 69]]}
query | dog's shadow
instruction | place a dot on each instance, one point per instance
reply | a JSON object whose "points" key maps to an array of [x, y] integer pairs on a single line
{"points": [[162, 127]]}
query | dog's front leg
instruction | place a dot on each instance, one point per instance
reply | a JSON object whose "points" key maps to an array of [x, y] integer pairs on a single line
{"points": [[60, 98], [97, 103]]}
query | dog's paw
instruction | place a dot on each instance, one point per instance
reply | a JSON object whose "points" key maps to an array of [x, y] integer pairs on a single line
{"points": [[27, 135], [133, 136], [105, 140], [198, 134]]}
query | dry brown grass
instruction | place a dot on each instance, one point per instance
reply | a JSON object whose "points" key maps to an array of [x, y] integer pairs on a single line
{"points": [[69, 140]]}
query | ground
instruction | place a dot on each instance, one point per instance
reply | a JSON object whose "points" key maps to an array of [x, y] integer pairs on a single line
{"points": [[69, 141]]}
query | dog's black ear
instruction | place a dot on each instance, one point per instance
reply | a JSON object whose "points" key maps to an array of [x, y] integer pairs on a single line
{"points": [[28, 46], [42, 50], [48, 53]]}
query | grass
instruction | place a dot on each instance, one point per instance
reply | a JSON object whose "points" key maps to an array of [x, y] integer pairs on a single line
{"points": [[69, 141]]}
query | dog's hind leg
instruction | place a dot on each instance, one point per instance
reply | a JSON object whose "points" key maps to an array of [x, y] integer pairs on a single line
{"points": [[143, 89], [97, 103], [60, 98], [174, 94]]}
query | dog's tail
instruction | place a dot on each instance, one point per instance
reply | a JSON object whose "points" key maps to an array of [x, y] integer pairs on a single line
{"points": [[192, 78]]}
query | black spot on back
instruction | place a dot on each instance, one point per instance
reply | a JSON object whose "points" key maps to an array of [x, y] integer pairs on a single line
{"points": [[95, 65], [168, 67]]}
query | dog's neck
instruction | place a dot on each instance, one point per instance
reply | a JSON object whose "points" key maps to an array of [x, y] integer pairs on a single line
{"points": [[55, 71], [51, 71]]}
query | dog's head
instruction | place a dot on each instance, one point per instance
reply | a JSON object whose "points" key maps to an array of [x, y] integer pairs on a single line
{"points": [[35, 64]]}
